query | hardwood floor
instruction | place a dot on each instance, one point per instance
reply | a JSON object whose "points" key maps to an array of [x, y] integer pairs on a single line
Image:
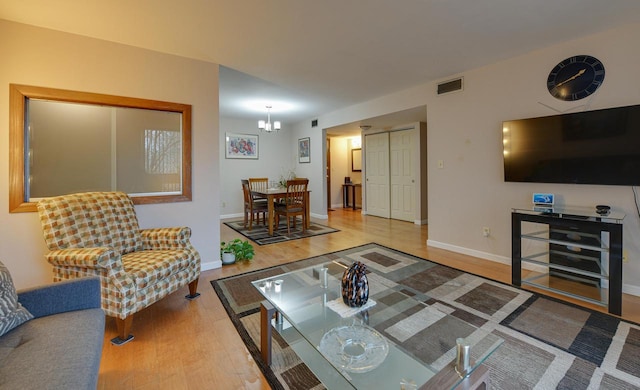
{"points": [[181, 344]]}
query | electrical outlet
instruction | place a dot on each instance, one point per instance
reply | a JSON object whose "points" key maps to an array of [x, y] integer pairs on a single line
{"points": [[486, 231]]}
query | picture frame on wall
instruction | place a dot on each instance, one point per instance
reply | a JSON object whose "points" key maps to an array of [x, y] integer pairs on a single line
{"points": [[244, 146], [304, 150]]}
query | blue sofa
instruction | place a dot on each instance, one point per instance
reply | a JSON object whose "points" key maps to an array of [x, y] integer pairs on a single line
{"points": [[60, 348]]}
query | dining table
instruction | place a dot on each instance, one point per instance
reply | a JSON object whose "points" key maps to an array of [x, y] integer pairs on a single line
{"points": [[271, 194]]}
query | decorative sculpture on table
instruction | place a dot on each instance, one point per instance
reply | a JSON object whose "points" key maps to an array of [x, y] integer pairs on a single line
{"points": [[355, 287]]}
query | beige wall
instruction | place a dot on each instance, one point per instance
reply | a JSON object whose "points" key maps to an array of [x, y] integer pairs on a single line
{"points": [[47, 58], [274, 157], [464, 131]]}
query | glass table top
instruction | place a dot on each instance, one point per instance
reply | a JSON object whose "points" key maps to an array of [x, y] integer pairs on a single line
{"points": [[398, 339], [575, 212]]}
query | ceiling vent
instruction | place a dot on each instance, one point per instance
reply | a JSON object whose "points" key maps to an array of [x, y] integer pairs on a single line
{"points": [[450, 86]]}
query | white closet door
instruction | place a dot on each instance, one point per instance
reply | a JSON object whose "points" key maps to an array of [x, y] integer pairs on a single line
{"points": [[403, 174], [377, 174]]}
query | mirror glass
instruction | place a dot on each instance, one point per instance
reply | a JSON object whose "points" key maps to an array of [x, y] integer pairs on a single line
{"points": [[356, 160], [63, 144]]}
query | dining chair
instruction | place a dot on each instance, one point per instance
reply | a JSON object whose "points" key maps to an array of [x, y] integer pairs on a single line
{"points": [[294, 203], [253, 207], [258, 184]]}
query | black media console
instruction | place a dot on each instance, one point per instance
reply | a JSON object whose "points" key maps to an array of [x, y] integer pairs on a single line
{"points": [[574, 252]]}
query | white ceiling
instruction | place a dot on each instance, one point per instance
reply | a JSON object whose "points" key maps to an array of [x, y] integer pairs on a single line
{"points": [[319, 56]]}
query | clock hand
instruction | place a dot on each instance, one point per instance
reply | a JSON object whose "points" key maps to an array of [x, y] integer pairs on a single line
{"points": [[575, 76]]}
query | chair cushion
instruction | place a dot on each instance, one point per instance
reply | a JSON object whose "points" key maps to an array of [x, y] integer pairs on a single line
{"points": [[12, 313], [151, 266], [283, 208], [260, 205]]}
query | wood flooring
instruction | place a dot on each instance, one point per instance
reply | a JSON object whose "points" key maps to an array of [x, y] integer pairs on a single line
{"points": [[181, 344]]}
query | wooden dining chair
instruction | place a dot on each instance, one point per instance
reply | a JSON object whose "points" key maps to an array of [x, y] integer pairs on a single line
{"points": [[294, 203], [252, 207], [258, 184]]}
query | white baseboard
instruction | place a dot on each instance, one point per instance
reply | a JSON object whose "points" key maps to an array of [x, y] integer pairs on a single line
{"points": [[631, 290], [228, 216], [626, 288], [470, 252], [209, 265]]}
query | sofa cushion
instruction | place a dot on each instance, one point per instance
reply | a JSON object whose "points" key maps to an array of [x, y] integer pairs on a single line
{"points": [[12, 313], [60, 351], [150, 267]]}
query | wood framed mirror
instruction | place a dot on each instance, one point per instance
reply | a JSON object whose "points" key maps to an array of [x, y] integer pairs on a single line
{"points": [[64, 141], [356, 160]]}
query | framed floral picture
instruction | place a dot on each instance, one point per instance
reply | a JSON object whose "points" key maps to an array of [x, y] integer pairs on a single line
{"points": [[304, 150], [241, 146]]}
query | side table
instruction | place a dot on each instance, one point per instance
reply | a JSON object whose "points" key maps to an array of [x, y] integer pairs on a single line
{"points": [[345, 194]]}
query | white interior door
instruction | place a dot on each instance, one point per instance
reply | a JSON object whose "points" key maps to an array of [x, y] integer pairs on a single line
{"points": [[402, 170], [377, 174]]}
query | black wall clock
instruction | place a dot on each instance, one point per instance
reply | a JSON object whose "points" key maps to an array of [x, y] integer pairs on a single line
{"points": [[575, 78]]}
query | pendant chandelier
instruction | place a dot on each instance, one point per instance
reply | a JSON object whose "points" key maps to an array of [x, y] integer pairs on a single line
{"points": [[268, 126]]}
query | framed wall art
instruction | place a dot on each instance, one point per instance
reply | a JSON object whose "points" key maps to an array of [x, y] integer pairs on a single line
{"points": [[241, 146], [304, 150]]}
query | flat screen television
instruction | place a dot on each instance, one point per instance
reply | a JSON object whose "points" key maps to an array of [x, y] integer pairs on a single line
{"points": [[591, 147]]}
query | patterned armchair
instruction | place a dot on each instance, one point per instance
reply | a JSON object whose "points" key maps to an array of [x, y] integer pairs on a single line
{"points": [[97, 233]]}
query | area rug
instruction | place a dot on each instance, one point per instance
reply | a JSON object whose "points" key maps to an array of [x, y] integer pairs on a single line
{"points": [[549, 344], [260, 234]]}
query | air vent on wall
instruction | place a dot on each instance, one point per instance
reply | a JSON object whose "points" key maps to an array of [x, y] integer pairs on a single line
{"points": [[450, 86], [314, 123]]}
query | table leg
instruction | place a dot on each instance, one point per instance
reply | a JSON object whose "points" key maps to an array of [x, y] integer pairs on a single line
{"points": [[266, 314], [271, 213], [345, 196], [307, 210], [353, 196], [447, 377]]}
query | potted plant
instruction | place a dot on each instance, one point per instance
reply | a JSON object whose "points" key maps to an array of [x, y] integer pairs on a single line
{"points": [[290, 174], [236, 250]]}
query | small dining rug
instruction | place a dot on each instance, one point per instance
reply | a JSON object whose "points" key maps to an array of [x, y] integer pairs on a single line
{"points": [[260, 234], [549, 344]]}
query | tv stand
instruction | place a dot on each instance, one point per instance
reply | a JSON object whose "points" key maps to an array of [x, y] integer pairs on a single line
{"points": [[573, 252]]}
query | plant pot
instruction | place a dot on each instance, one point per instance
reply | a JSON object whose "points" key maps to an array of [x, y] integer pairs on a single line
{"points": [[228, 257]]}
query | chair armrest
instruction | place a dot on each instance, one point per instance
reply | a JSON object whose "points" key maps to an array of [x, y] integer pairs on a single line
{"points": [[166, 238], [101, 257], [68, 295]]}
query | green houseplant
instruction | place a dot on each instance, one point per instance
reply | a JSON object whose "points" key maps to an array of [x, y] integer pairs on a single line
{"points": [[236, 250]]}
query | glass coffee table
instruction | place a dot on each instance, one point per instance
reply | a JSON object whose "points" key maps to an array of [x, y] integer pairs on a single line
{"points": [[403, 340]]}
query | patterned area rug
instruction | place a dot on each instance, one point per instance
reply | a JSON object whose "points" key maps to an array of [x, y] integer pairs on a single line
{"points": [[548, 344], [260, 234]]}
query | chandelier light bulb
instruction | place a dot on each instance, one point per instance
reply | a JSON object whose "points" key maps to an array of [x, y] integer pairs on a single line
{"points": [[268, 126]]}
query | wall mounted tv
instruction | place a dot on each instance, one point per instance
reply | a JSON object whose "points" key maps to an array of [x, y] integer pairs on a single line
{"points": [[591, 147]]}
